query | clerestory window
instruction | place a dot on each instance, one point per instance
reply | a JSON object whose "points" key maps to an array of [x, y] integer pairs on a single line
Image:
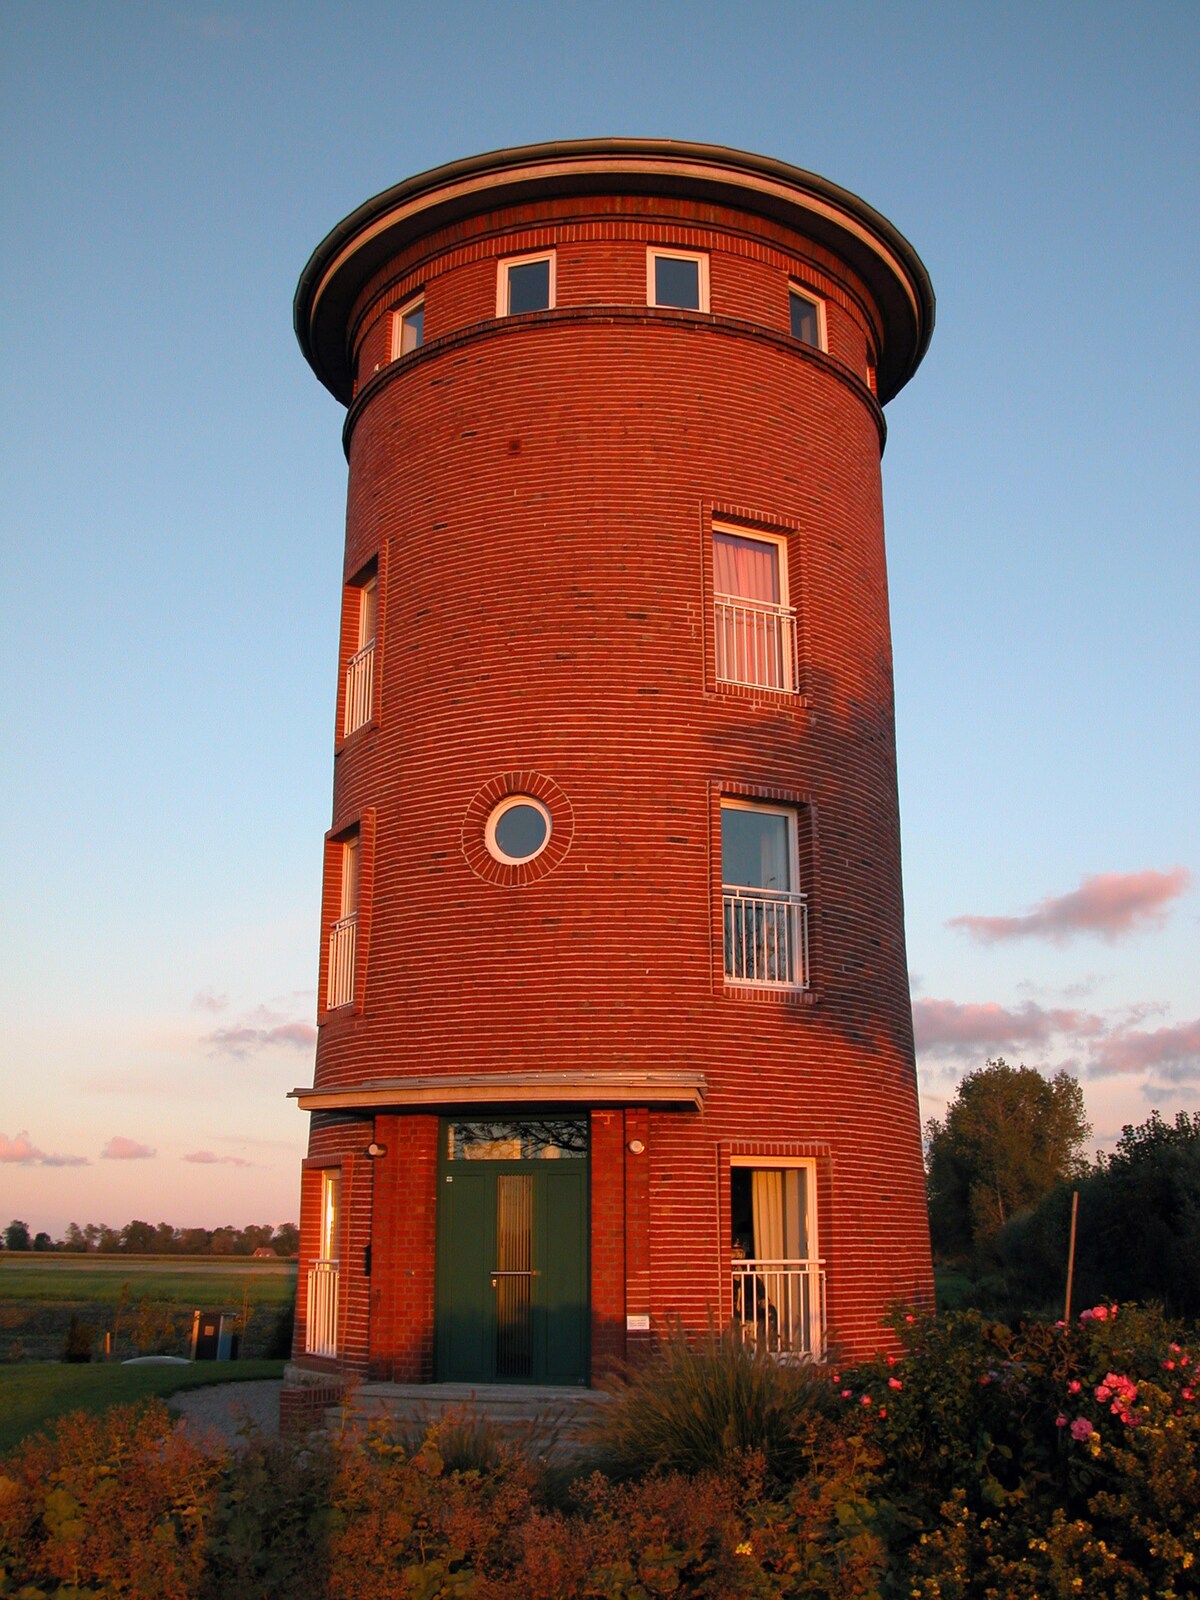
{"points": [[525, 283], [408, 328]]}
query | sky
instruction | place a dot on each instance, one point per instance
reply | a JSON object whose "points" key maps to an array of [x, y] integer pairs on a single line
{"points": [[173, 507]]}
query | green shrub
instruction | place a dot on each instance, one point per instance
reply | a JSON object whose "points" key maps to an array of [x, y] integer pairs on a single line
{"points": [[1016, 1462], [700, 1405]]}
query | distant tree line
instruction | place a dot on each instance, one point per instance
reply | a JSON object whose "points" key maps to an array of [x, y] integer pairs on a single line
{"points": [[1002, 1165], [144, 1239]]}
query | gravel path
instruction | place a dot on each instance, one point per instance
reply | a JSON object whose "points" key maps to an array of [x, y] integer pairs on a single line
{"points": [[224, 1408]]}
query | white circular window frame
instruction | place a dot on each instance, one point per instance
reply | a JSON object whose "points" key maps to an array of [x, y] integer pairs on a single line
{"points": [[498, 812]]}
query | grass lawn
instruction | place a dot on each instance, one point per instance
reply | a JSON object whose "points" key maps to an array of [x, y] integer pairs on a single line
{"points": [[34, 1393], [38, 1294]]}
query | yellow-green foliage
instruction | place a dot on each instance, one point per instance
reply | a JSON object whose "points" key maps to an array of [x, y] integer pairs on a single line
{"points": [[984, 1463]]}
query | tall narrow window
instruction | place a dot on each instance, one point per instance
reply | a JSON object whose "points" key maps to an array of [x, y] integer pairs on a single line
{"points": [[408, 328], [343, 936], [331, 1205], [360, 669], [677, 278], [525, 283], [778, 1283], [807, 318], [755, 627], [321, 1330], [765, 915]]}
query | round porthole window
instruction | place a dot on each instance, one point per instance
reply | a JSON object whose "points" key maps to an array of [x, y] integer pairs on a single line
{"points": [[518, 829]]}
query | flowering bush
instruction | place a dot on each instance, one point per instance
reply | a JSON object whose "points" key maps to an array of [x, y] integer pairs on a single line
{"points": [[1045, 1461], [1032, 1464]]}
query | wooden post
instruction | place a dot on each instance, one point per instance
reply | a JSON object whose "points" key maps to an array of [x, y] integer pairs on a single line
{"points": [[1071, 1254]]}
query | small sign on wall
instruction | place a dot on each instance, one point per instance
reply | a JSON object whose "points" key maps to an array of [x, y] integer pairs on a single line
{"points": [[637, 1324]]}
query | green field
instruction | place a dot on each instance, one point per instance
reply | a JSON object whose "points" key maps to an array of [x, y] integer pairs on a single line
{"points": [[134, 1297], [34, 1393]]}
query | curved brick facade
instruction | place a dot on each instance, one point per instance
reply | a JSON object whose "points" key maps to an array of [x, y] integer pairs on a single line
{"points": [[533, 503]]}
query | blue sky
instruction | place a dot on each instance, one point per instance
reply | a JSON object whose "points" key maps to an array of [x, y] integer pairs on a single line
{"points": [[173, 506]]}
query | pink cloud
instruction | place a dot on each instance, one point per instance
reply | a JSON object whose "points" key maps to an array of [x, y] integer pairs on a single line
{"points": [[21, 1151], [242, 1040], [948, 1027], [119, 1148], [205, 1000], [1109, 904], [1173, 1052], [207, 1158]]}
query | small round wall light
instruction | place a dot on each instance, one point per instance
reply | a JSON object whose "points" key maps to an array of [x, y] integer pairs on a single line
{"points": [[635, 1147], [518, 829], [376, 1150]]}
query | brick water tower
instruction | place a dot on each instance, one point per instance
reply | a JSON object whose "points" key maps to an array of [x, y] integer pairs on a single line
{"points": [[614, 1012]]}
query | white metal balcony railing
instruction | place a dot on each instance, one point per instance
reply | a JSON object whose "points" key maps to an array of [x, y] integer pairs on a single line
{"points": [[766, 938], [780, 1306], [339, 990], [360, 689], [756, 643], [320, 1333]]}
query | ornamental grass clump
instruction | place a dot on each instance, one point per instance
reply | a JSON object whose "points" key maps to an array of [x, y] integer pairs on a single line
{"points": [[701, 1405]]}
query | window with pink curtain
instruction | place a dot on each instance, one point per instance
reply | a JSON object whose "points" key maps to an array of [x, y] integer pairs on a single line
{"points": [[747, 568]]}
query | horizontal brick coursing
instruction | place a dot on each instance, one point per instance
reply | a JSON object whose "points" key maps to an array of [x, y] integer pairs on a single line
{"points": [[540, 508]]}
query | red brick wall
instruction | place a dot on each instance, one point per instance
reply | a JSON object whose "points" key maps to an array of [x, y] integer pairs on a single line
{"points": [[539, 494]]}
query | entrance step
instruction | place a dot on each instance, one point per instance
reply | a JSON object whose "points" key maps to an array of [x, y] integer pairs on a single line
{"points": [[541, 1419]]}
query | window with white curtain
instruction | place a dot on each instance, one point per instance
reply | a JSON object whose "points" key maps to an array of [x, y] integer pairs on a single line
{"points": [[754, 626]]}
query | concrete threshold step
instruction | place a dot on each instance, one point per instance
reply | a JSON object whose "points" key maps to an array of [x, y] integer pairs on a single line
{"points": [[541, 1418]]}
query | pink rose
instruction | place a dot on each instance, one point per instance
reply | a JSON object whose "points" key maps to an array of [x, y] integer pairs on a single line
{"points": [[1186, 1394], [883, 1411], [1074, 1386], [1085, 1316], [1060, 1421], [866, 1400], [894, 1383], [847, 1394], [1081, 1429], [1100, 1313]]}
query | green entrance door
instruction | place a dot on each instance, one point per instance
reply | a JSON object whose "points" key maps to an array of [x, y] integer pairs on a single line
{"points": [[512, 1301]]}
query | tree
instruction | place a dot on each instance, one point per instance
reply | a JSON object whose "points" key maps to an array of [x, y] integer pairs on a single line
{"points": [[137, 1238], [1139, 1226], [43, 1241], [1008, 1137], [287, 1240], [16, 1236]]}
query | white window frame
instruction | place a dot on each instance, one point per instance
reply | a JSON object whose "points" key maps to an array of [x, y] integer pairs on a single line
{"points": [[527, 259], [761, 1162], [798, 292], [813, 1263], [359, 691], [654, 251], [498, 812], [331, 1212], [399, 320], [779, 909], [787, 617], [765, 808]]}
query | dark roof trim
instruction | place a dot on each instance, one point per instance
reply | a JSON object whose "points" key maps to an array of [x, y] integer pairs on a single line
{"points": [[347, 258]]}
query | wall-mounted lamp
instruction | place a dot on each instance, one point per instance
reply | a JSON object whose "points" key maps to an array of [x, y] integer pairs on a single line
{"points": [[635, 1147], [374, 1150]]}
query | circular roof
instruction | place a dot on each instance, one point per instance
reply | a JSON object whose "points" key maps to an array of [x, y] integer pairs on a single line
{"points": [[348, 257]]}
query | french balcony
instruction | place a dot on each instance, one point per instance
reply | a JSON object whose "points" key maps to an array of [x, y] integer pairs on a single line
{"points": [[360, 689], [320, 1334], [343, 937], [756, 643], [779, 1307], [766, 938]]}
